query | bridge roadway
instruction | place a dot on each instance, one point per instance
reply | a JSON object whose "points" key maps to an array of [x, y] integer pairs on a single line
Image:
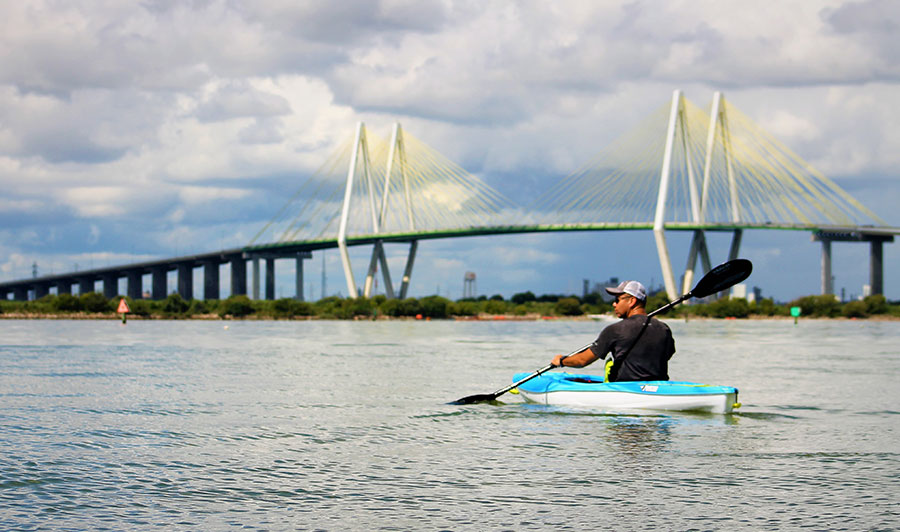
{"points": [[37, 287]]}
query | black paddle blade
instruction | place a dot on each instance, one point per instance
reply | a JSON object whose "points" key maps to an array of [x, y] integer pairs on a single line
{"points": [[723, 276], [472, 399]]}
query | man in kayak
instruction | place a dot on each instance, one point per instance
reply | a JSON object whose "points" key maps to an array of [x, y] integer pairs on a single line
{"points": [[641, 346]]}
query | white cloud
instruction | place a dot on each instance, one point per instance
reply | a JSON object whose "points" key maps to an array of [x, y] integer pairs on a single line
{"points": [[237, 99], [97, 202], [194, 194]]}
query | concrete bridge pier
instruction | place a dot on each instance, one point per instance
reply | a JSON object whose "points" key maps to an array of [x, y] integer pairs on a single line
{"points": [[255, 262], [211, 280], [827, 277], [876, 256], [41, 290], [270, 278], [186, 281], [20, 294], [238, 276], [876, 266], [159, 283], [268, 282], [110, 285], [85, 285], [299, 275], [64, 287], [135, 287]]}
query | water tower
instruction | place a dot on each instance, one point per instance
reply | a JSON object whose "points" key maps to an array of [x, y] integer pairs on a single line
{"points": [[469, 285]]}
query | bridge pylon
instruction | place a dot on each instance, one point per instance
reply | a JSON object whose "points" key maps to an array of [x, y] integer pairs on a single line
{"points": [[678, 137], [360, 162], [717, 133], [359, 144]]}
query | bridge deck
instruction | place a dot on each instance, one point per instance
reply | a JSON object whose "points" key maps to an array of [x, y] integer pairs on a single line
{"points": [[290, 249]]}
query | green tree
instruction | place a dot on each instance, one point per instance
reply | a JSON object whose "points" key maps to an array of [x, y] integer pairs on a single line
{"points": [[95, 302], [236, 306], [876, 304], [855, 309], [523, 297], [435, 307], [329, 307], [302, 308], [825, 306], [568, 306], [765, 307], [390, 307], [283, 307], [175, 305], [463, 308], [141, 307], [410, 307], [520, 310], [197, 307], [66, 303], [495, 306], [728, 307], [360, 306]]}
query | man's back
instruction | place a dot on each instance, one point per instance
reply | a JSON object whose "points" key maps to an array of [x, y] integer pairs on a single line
{"points": [[647, 360]]}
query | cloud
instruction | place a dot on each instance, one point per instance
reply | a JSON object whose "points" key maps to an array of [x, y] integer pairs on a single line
{"points": [[85, 127], [99, 202], [262, 132], [874, 25], [353, 21], [238, 100], [198, 195]]}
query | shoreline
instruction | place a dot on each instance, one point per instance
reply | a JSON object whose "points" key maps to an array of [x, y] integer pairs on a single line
{"points": [[84, 316]]}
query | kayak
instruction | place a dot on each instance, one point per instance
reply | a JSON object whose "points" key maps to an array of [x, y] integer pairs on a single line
{"points": [[569, 389]]}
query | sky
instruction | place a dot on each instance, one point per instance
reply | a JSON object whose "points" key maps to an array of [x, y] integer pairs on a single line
{"points": [[133, 131]]}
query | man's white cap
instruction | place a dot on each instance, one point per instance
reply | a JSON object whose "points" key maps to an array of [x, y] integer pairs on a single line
{"points": [[632, 288]]}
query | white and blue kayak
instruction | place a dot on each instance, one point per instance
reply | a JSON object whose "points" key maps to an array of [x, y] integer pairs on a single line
{"points": [[569, 389]]}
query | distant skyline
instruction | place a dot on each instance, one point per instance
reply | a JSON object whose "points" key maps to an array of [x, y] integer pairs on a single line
{"points": [[131, 132]]}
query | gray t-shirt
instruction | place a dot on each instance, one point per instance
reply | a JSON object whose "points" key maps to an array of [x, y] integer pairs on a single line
{"points": [[648, 360]]}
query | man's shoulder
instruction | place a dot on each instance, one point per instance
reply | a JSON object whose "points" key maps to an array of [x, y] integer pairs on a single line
{"points": [[662, 323], [626, 324]]}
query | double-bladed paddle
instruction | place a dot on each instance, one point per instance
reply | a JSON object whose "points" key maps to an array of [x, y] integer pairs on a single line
{"points": [[721, 277]]}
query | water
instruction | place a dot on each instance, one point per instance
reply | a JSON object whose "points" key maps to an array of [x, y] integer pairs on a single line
{"points": [[343, 425]]}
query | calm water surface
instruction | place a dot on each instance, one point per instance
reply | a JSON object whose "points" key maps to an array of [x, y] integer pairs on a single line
{"points": [[340, 425]]}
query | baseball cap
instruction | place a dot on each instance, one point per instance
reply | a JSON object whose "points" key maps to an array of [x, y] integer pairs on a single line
{"points": [[632, 288]]}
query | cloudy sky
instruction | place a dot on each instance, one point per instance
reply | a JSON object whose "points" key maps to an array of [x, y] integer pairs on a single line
{"points": [[139, 130]]}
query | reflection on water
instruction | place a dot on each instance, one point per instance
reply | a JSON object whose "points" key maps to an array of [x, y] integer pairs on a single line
{"points": [[338, 425], [634, 435]]}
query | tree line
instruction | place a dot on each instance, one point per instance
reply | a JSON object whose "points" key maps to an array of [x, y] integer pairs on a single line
{"points": [[524, 304]]}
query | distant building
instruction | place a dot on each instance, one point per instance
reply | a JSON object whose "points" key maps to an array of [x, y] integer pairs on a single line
{"points": [[600, 288], [757, 293]]}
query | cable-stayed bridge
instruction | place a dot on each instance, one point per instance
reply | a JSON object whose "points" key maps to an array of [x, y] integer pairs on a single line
{"points": [[681, 169]]}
